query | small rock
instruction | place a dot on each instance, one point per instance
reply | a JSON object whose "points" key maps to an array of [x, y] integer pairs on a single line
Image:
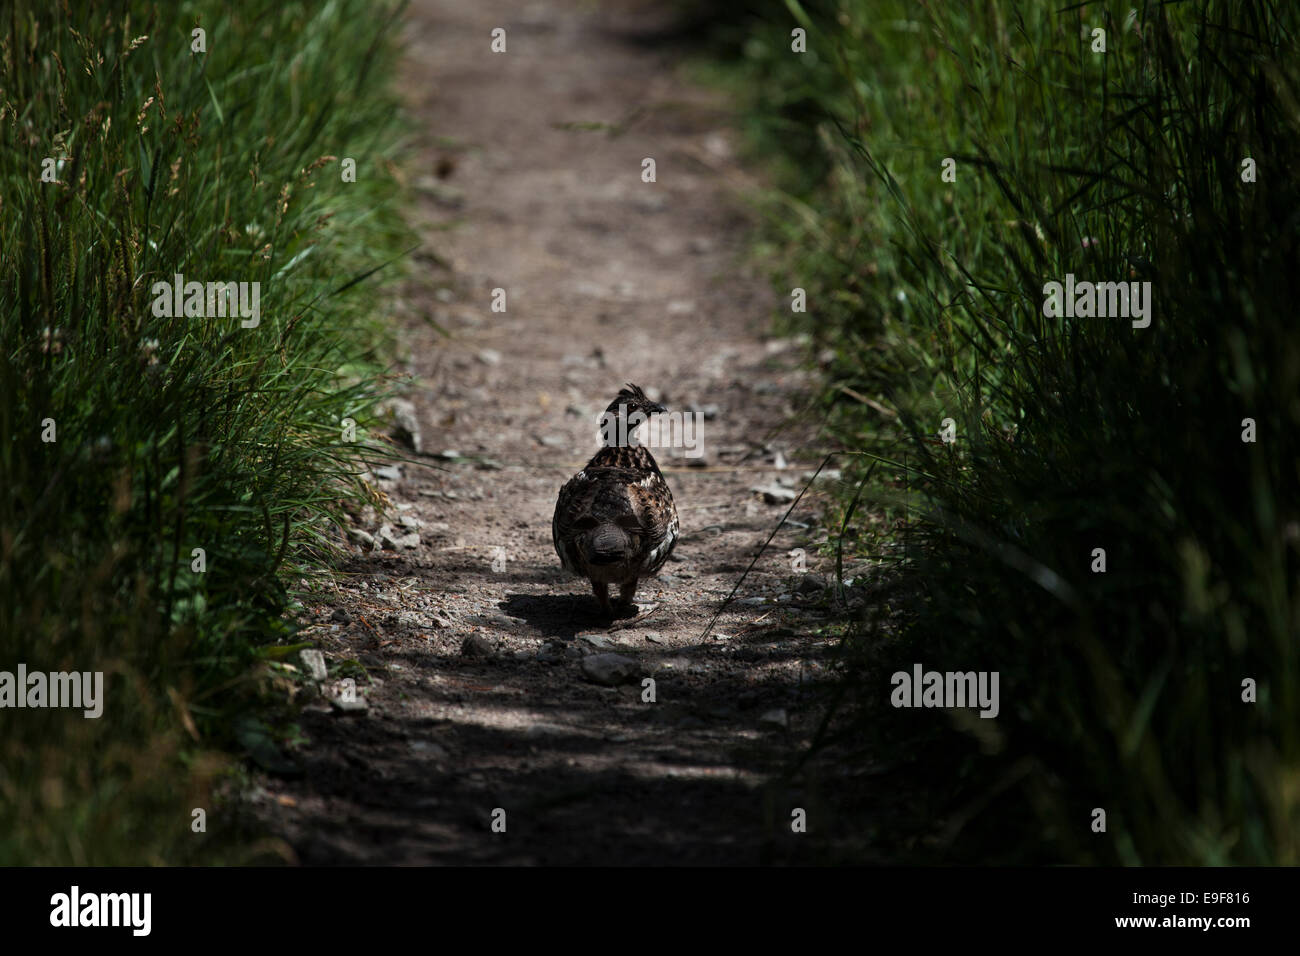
{"points": [[436, 751], [392, 541], [654, 637], [811, 583], [551, 652], [363, 539], [314, 662], [476, 645], [341, 705], [610, 669], [553, 441], [406, 521], [340, 615], [406, 425], [775, 494], [597, 640], [489, 356], [388, 473], [827, 474], [775, 718]]}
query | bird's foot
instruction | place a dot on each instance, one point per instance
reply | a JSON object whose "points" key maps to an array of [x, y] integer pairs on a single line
{"points": [[626, 609]]}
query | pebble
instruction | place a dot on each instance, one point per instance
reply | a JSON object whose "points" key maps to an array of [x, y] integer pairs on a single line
{"points": [[775, 494], [827, 474], [406, 425], [357, 706], [610, 669], [437, 751], [395, 542], [476, 645], [314, 663], [810, 583], [364, 539], [551, 652]]}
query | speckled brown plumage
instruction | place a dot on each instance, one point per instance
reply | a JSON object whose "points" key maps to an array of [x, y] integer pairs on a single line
{"points": [[615, 521]]}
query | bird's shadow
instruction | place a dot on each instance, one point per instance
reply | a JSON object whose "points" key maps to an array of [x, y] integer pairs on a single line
{"points": [[559, 615]]}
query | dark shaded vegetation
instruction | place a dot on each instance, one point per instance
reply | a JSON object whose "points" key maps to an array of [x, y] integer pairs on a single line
{"points": [[1122, 689], [130, 439]]}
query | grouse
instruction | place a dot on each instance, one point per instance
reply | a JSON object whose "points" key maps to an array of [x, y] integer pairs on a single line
{"points": [[615, 521]]}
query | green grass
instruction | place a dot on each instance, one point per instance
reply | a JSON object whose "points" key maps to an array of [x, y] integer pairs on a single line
{"points": [[1120, 690], [175, 433]]}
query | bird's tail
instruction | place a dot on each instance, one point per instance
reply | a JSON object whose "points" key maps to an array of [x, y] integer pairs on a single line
{"points": [[607, 544]]}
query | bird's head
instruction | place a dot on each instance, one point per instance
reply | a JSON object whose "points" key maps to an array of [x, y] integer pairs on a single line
{"points": [[630, 407]]}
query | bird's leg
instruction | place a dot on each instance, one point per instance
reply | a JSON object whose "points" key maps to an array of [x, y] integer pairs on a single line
{"points": [[602, 595], [627, 591]]}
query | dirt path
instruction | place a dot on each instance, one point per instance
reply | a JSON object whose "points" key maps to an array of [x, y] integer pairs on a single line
{"points": [[607, 280]]}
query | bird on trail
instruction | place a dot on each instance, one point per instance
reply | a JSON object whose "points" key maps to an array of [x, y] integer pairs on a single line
{"points": [[615, 521]]}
